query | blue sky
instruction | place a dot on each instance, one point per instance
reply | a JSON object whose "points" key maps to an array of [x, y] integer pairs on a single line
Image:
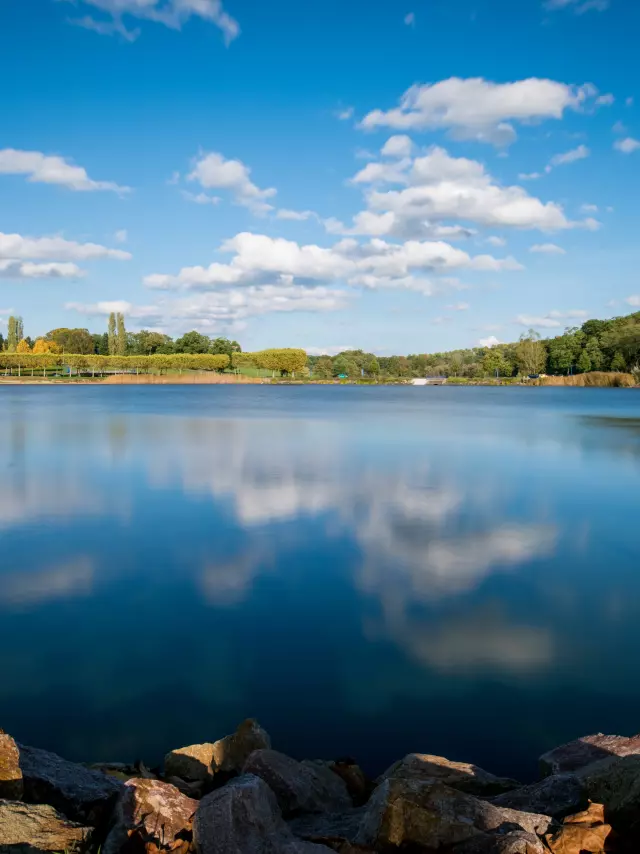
{"points": [[399, 177]]}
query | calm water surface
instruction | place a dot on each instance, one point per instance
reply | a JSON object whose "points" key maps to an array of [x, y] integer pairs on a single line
{"points": [[368, 571]]}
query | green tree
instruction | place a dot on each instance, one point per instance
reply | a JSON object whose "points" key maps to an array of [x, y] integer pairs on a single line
{"points": [[495, 364], [192, 343], [15, 333], [531, 353], [121, 335], [72, 340], [323, 368], [2, 342], [372, 367], [223, 346], [618, 363], [584, 362], [112, 335]]}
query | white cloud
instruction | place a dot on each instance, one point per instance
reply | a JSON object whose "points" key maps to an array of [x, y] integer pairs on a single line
{"points": [[439, 187], [51, 169], [530, 320], [121, 236], [399, 145], [295, 216], [578, 153], [627, 145], [578, 6], [491, 341], [633, 300], [171, 13], [410, 19], [547, 249], [619, 127], [333, 350], [458, 306], [494, 240], [17, 247], [589, 208], [10, 269], [605, 100], [200, 198], [262, 260], [345, 113], [214, 171], [573, 314], [529, 176], [479, 109]]}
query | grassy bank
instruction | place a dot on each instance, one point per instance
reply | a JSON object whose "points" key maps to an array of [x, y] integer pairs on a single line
{"points": [[593, 379], [181, 379]]}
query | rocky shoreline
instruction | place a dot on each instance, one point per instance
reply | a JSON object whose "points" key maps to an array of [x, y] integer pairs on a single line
{"points": [[239, 796]]}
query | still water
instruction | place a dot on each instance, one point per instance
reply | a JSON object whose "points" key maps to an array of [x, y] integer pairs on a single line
{"points": [[368, 571]]}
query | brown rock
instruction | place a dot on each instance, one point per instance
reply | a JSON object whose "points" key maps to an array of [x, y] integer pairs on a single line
{"points": [[585, 751], [615, 783], [409, 811], [583, 833], [357, 783], [83, 795], [151, 816], [28, 829], [201, 762], [10, 773], [556, 796], [458, 775], [517, 842], [299, 787], [243, 818]]}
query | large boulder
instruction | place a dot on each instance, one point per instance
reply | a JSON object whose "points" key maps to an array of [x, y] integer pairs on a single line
{"points": [[151, 817], [515, 842], [459, 775], [408, 811], [333, 829], [243, 818], [585, 751], [10, 773], [616, 784], [556, 796], [583, 833], [201, 762], [299, 787], [29, 829], [81, 794], [358, 784]]}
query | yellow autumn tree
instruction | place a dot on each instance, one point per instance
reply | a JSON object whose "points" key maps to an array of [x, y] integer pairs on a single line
{"points": [[43, 347], [23, 347]]}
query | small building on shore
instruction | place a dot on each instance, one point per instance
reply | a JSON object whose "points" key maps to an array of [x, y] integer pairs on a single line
{"points": [[429, 381]]}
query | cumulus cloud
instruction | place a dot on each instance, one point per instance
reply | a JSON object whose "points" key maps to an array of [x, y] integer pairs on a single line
{"points": [[480, 109], [42, 168], [547, 249], [587, 208], [627, 145], [572, 314], [345, 113], [171, 13], [214, 171], [550, 320], [633, 300], [259, 260], [437, 187], [490, 341], [295, 216], [332, 350], [579, 153], [11, 269], [496, 241], [201, 198], [529, 176], [17, 247], [399, 145]]}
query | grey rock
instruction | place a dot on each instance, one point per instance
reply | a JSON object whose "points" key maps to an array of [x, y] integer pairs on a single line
{"points": [[556, 796], [201, 762], [81, 794], [10, 774], [408, 811], [585, 751], [299, 787], [152, 816], [616, 784], [243, 818], [28, 829], [459, 775], [328, 828], [517, 842]]}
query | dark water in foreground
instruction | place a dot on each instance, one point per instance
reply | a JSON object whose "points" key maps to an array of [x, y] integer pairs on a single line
{"points": [[367, 571]]}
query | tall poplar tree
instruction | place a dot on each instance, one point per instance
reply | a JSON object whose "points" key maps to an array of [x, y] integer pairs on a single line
{"points": [[121, 340], [15, 333], [112, 335]]}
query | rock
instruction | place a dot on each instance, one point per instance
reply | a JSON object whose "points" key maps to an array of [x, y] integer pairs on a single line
{"points": [[151, 817], [615, 783], [299, 787], [191, 790], [409, 811], [556, 796], [332, 829], [585, 751], [458, 775], [10, 773], [200, 762], [28, 829], [517, 842], [583, 833], [81, 794], [243, 818], [357, 783]]}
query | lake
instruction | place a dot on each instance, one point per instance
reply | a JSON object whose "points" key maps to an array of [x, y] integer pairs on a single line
{"points": [[368, 571]]}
